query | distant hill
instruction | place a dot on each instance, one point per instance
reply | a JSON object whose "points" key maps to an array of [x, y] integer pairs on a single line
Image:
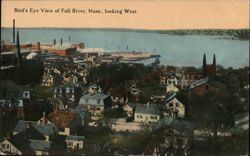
{"points": [[242, 34]]}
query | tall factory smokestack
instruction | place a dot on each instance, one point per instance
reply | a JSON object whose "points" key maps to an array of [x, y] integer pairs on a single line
{"points": [[38, 46], [14, 31], [18, 53], [61, 41]]}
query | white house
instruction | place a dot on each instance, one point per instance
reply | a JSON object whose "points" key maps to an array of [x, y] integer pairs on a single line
{"points": [[173, 107], [146, 113], [169, 78], [8, 147]]}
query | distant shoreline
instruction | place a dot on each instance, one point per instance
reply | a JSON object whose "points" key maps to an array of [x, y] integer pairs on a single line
{"points": [[234, 34]]}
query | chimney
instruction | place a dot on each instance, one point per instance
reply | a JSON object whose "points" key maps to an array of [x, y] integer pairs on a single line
{"points": [[54, 42], [14, 31], [61, 41], [44, 119]]}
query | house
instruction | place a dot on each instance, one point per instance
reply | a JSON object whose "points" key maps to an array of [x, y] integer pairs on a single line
{"points": [[95, 89], [173, 107], [67, 122], [172, 88], [83, 73], [40, 147], [7, 105], [187, 78], [205, 85], [16, 145], [70, 78], [116, 96], [169, 78], [95, 103], [27, 94], [146, 113], [74, 142], [47, 129], [50, 79], [30, 138], [68, 92], [129, 108]]}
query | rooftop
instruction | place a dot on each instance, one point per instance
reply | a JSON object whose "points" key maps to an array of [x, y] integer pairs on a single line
{"points": [[152, 109]]}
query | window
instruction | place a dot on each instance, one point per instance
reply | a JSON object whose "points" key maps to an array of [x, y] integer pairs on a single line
{"points": [[170, 104], [8, 146], [139, 116], [70, 143], [98, 101], [177, 104], [153, 117]]}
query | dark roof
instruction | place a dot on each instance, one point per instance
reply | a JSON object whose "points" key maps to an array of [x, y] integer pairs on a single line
{"points": [[170, 96], [45, 129], [20, 141], [170, 74], [152, 109], [98, 96]]}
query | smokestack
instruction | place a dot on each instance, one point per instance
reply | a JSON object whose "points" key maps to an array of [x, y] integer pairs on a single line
{"points": [[54, 41], [61, 41], [14, 33], [18, 53], [39, 46]]}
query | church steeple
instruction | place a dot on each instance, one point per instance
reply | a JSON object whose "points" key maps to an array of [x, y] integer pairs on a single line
{"points": [[204, 66]]}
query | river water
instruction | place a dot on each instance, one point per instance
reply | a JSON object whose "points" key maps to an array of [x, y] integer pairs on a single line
{"points": [[175, 50]]}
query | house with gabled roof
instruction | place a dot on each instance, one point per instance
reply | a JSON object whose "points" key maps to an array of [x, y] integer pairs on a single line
{"points": [[30, 138], [169, 78], [46, 128], [95, 103], [172, 107], [146, 113]]}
